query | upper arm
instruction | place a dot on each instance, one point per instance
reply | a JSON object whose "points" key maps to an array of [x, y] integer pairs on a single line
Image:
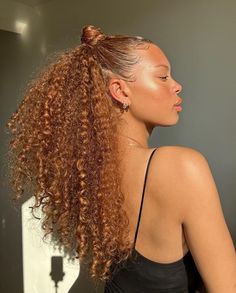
{"points": [[205, 229]]}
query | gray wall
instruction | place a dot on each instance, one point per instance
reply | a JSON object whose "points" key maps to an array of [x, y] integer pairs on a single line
{"points": [[10, 230], [198, 38]]}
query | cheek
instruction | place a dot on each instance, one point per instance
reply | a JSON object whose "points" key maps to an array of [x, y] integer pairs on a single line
{"points": [[152, 91], [152, 102]]}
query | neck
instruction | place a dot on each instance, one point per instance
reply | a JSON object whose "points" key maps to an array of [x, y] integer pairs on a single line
{"points": [[133, 142], [133, 131], [128, 139]]}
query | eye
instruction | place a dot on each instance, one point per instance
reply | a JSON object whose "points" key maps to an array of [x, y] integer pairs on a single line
{"points": [[164, 77]]}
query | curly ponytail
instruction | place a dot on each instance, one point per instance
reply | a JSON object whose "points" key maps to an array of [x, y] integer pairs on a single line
{"points": [[65, 147]]}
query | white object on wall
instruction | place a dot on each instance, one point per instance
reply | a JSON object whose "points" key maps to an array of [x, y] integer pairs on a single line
{"points": [[37, 255]]}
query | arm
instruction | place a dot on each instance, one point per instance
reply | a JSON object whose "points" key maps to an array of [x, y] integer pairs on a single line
{"points": [[205, 229]]}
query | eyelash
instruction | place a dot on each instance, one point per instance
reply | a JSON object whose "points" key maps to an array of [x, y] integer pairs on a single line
{"points": [[164, 77]]}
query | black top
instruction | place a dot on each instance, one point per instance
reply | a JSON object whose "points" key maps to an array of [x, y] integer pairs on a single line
{"points": [[142, 275]]}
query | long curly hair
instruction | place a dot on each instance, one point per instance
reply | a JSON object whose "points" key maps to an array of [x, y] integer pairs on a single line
{"points": [[65, 148]]}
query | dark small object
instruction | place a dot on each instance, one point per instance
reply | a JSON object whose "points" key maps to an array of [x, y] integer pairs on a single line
{"points": [[56, 273]]}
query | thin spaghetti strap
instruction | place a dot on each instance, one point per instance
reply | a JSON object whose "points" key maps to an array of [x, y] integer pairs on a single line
{"points": [[141, 205]]}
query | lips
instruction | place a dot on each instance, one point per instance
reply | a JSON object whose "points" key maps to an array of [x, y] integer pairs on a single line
{"points": [[178, 102]]}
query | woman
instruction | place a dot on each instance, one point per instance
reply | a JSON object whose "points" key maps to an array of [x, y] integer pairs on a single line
{"points": [[80, 140]]}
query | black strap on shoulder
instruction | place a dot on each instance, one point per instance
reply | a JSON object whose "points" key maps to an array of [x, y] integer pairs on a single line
{"points": [[145, 179]]}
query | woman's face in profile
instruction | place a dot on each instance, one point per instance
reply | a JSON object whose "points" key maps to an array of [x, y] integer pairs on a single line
{"points": [[154, 92]]}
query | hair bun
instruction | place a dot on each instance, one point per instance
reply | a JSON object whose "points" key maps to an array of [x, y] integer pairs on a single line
{"points": [[91, 35]]}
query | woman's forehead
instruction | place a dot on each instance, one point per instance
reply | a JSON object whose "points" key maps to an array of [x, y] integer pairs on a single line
{"points": [[153, 58]]}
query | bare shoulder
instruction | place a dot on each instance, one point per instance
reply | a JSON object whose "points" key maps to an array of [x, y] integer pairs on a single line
{"points": [[189, 171], [172, 168], [172, 162], [179, 153], [186, 179]]}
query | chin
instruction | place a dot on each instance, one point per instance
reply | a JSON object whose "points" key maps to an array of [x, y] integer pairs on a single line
{"points": [[169, 123]]}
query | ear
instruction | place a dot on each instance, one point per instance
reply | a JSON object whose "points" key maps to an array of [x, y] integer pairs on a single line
{"points": [[119, 90]]}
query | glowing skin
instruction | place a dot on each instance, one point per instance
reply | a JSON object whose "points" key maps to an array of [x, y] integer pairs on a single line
{"points": [[151, 97]]}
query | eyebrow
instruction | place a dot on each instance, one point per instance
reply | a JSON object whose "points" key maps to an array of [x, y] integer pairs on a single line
{"points": [[161, 65]]}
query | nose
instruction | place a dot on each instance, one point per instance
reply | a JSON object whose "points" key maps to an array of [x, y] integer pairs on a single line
{"points": [[178, 87]]}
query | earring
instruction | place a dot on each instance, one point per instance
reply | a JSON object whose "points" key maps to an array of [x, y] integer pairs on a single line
{"points": [[125, 106]]}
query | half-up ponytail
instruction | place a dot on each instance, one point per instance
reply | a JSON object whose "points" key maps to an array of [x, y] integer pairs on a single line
{"points": [[91, 35], [65, 147]]}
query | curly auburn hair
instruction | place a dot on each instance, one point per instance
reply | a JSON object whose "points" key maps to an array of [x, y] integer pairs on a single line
{"points": [[65, 148]]}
